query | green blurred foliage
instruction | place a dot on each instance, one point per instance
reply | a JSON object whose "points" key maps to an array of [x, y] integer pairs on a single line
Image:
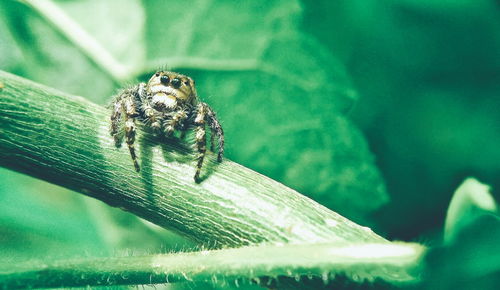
{"points": [[281, 95], [473, 262], [470, 258], [428, 76], [470, 201]]}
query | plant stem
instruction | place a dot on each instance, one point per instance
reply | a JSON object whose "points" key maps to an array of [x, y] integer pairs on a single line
{"points": [[267, 265], [64, 139]]}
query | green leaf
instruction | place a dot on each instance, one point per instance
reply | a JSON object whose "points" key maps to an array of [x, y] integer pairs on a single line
{"points": [[471, 200], [282, 96], [282, 102], [233, 206], [48, 57], [34, 225], [39, 220], [292, 128], [252, 63], [427, 76], [470, 258], [311, 265]]}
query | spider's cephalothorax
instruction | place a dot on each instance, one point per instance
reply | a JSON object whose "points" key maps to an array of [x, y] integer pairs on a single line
{"points": [[166, 103]]}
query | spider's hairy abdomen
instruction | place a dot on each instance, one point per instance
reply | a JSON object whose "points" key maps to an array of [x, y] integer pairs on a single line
{"points": [[166, 103]]}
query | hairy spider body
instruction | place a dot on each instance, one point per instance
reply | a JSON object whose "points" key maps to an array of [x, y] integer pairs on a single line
{"points": [[166, 103]]}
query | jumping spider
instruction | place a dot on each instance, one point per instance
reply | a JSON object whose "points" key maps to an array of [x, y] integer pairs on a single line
{"points": [[166, 103]]}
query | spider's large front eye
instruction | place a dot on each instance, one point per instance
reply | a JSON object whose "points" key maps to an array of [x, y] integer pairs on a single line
{"points": [[176, 83], [164, 80]]}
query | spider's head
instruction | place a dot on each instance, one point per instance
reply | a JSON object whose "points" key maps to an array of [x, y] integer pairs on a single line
{"points": [[169, 88]]}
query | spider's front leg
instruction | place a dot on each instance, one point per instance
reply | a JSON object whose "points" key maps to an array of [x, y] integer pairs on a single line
{"points": [[125, 105], [130, 128], [116, 120], [216, 130], [173, 123], [200, 135], [150, 116]]}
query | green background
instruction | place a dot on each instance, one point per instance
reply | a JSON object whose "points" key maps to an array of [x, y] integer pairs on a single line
{"points": [[376, 109]]}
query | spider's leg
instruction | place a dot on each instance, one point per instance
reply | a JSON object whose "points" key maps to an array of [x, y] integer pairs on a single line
{"points": [[212, 140], [200, 135], [174, 122], [216, 128], [130, 127], [116, 120], [152, 119], [148, 112]]}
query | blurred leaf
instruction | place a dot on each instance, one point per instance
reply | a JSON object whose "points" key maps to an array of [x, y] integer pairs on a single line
{"points": [[283, 101], [471, 200], [470, 258], [117, 26], [41, 220], [472, 262], [294, 131], [48, 57], [428, 77], [282, 98], [35, 225], [252, 63]]}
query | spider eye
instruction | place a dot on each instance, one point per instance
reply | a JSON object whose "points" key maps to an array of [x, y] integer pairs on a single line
{"points": [[164, 80], [157, 74], [176, 83]]}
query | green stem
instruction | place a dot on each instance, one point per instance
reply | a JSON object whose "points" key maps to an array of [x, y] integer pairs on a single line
{"points": [[64, 139], [309, 264]]}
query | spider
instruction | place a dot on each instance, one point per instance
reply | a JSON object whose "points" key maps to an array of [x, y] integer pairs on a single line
{"points": [[166, 103]]}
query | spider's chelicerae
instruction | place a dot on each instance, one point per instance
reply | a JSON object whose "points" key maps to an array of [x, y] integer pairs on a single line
{"points": [[166, 103]]}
